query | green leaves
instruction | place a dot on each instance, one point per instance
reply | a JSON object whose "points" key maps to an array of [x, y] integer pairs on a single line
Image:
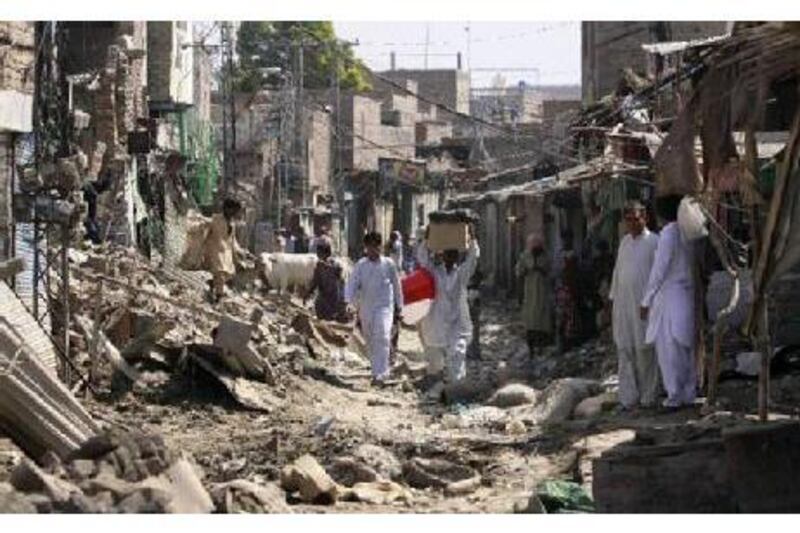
{"points": [[264, 44]]}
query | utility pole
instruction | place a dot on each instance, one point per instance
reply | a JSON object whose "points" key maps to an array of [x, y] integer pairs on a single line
{"points": [[223, 85], [286, 140], [300, 123], [228, 50], [427, 43]]}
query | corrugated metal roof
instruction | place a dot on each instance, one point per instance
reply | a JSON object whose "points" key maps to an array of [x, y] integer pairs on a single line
{"points": [[23, 323], [673, 47], [564, 179]]}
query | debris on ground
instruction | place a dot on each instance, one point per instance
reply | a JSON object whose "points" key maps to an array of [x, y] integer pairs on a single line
{"points": [[277, 411], [591, 407], [114, 473], [559, 496], [441, 474], [243, 496], [308, 479], [513, 395]]}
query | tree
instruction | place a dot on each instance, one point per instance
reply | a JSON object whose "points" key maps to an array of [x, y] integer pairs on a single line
{"points": [[263, 44]]}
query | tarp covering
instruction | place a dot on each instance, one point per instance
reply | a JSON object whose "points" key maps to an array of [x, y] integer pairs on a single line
{"points": [[784, 254]]}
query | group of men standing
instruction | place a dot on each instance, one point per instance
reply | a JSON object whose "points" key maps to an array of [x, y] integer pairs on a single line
{"points": [[652, 294], [652, 302]]}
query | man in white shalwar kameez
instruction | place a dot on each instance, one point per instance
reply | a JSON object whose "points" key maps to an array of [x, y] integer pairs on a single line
{"points": [[637, 366], [447, 328], [669, 305], [374, 286]]}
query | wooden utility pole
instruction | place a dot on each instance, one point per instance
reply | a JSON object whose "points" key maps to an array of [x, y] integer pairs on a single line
{"points": [[223, 85]]}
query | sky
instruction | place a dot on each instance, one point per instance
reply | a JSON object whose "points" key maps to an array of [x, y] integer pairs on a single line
{"points": [[549, 52]]}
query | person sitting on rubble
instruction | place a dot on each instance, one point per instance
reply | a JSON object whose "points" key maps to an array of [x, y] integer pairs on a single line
{"points": [[537, 310], [447, 328], [328, 282], [221, 249], [374, 286]]}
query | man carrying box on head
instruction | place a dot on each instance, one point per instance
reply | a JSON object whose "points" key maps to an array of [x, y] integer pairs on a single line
{"points": [[447, 329]]}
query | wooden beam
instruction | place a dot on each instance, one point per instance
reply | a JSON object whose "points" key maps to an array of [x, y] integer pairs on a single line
{"points": [[107, 347], [768, 234]]}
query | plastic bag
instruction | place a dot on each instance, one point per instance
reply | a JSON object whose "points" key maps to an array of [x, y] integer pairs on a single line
{"points": [[691, 220]]}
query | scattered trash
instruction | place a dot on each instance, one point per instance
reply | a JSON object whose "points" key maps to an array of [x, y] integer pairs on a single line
{"points": [[559, 496]]}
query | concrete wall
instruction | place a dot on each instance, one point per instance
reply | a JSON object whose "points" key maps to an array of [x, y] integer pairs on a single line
{"points": [[362, 116], [445, 86], [507, 105], [201, 92], [17, 71], [6, 164], [318, 133], [170, 68], [609, 46], [432, 133], [424, 203], [17, 56]]}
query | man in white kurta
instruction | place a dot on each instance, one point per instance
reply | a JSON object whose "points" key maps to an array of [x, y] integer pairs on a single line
{"points": [[374, 286], [447, 328], [637, 366], [669, 305]]}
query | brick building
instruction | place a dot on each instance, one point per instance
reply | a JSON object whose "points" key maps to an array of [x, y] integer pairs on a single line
{"points": [[170, 65], [17, 64]]}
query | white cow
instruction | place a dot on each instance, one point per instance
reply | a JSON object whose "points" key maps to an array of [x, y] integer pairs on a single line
{"points": [[282, 270]]}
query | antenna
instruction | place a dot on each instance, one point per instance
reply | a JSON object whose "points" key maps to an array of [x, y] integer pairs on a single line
{"points": [[469, 43], [427, 42]]}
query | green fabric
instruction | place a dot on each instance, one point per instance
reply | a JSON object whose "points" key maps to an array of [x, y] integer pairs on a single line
{"points": [[559, 496]]}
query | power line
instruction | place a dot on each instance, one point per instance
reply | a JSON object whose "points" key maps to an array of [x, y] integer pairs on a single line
{"points": [[497, 38]]}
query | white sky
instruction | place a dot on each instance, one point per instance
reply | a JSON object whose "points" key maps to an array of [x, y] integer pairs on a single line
{"points": [[551, 47]]}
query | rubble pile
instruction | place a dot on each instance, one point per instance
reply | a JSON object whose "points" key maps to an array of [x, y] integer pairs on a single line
{"points": [[113, 472], [141, 317]]}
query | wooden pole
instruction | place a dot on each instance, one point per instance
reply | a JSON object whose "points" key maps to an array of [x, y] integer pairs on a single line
{"points": [[720, 327], [700, 325], [713, 372], [94, 342], [763, 376]]}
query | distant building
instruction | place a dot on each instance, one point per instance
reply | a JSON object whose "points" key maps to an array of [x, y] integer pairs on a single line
{"points": [[449, 87]]}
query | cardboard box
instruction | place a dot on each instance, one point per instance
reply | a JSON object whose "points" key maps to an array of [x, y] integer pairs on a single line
{"points": [[448, 236]]}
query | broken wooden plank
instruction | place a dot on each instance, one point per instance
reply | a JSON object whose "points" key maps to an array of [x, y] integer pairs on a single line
{"points": [[249, 393], [106, 347]]}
